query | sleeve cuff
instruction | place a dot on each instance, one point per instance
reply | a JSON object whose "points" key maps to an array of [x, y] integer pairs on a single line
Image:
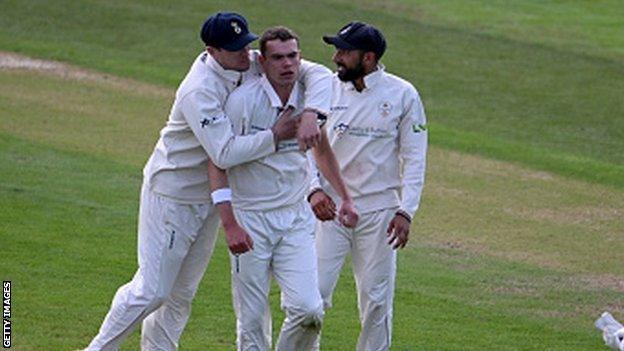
{"points": [[404, 215], [312, 192]]}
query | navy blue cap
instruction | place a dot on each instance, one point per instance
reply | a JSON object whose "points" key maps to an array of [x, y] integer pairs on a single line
{"points": [[226, 30], [358, 36]]}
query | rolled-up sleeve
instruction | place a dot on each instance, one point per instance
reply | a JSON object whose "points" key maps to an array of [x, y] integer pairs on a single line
{"points": [[204, 113]]}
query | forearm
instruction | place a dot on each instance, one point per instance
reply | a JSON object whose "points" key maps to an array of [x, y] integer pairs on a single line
{"points": [[244, 148], [226, 213], [218, 180], [213, 129], [328, 166], [315, 182]]}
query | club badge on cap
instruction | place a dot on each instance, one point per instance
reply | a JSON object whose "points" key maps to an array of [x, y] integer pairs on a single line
{"points": [[358, 36], [236, 27], [226, 30]]}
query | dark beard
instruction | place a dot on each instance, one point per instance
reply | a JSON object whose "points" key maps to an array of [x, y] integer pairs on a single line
{"points": [[351, 74]]}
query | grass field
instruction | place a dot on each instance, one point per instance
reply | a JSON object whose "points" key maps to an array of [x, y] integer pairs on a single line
{"points": [[519, 241]]}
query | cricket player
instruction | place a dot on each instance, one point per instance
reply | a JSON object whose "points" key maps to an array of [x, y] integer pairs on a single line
{"points": [[377, 132], [269, 200], [177, 220]]}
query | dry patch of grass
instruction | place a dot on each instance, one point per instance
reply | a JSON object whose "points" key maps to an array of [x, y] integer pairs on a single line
{"points": [[12, 61], [81, 110]]}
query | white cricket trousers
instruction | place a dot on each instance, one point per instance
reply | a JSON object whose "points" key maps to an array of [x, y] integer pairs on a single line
{"points": [[175, 242], [284, 247], [374, 267]]}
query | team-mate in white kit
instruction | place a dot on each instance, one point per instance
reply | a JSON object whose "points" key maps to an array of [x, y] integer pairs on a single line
{"points": [[377, 132], [268, 196], [177, 220]]}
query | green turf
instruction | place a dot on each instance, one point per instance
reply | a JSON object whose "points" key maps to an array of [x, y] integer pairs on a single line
{"points": [[502, 257], [592, 28], [516, 80], [78, 212]]}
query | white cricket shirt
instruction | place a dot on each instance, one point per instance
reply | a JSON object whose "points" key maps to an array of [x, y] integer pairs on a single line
{"points": [[278, 179], [379, 138], [198, 128]]}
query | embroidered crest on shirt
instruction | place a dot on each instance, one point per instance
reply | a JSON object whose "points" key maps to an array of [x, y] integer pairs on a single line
{"points": [[341, 128], [385, 108]]}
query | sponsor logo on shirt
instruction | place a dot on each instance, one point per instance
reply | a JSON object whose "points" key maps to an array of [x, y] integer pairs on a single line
{"points": [[211, 120], [338, 108], [371, 132], [284, 146]]}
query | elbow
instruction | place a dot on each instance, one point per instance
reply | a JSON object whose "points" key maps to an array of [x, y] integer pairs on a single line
{"points": [[222, 162], [213, 168]]}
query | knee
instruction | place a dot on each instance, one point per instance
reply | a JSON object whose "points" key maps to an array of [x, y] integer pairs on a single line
{"points": [[151, 298], [377, 297], [327, 302], [155, 301], [376, 303], [376, 309], [180, 299], [310, 316], [313, 320], [251, 323], [326, 289], [326, 294], [378, 292]]}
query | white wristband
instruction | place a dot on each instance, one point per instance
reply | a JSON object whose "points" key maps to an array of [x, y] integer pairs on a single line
{"points": [[221, 195]]}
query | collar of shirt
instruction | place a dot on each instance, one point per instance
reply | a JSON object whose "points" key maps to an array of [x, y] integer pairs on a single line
{"points": [[274, 98], [371, 79], [230, 75]]}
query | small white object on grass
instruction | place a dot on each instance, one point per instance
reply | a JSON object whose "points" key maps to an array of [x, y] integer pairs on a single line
{"points": [[612, 331]]}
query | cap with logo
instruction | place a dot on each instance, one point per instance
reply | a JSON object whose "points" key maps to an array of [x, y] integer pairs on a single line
{"points": [[358, 36], [226, 30]]}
